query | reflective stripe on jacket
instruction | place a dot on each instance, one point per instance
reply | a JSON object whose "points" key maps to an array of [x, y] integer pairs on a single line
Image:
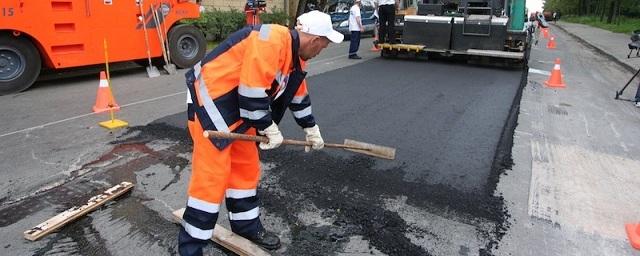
{"points": [[234, 85]]}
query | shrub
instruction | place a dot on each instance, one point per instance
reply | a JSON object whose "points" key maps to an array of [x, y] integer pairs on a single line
{"points": [[274, 17], [217, 24]]}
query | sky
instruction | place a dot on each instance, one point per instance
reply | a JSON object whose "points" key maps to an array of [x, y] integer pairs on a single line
{"points": [[534, 5]]}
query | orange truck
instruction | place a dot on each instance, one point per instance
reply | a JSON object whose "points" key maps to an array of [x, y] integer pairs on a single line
{"points": [[58, 34]]}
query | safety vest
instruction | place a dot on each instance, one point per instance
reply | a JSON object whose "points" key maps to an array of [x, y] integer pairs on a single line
{"points": [[249, 80]]}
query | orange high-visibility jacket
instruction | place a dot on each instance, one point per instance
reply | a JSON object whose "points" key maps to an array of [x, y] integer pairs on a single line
{"points": [[235, 85]]}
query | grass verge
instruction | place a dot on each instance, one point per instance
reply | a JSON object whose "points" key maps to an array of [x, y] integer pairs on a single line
{"points": [[627, 25]]}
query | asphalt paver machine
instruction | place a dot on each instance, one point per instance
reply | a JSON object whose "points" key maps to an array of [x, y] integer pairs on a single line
{"points": [[490, 28]]}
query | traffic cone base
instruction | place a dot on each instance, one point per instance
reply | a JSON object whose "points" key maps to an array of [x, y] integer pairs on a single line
{"points": [[113, 124], [555, 79], [97, 109], [552, 85], [633, 232], [375, 47], [104, 99]]}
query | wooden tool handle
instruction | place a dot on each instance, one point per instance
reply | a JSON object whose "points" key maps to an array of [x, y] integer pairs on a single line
{"points": [[234, 136], [239, 136]]}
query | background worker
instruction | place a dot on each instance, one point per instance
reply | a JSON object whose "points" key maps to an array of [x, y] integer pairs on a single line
{"points": [[387, 12], [355, 28], [239, 87]]}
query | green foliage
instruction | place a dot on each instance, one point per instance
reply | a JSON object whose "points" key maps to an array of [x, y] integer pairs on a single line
{"points": [[628, 8], [627, 25], [274, 17], [563, 6], [217, 24]]}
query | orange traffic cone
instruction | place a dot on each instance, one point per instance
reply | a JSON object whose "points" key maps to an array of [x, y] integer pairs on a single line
{"points": [[633, 232], [555, 80], [552, 43], [545, 33], [104, 98]]}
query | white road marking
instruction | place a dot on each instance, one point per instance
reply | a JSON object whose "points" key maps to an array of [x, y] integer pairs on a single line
{"points": [[327, 60], [89, 114], [586, 125], [538, 71]]}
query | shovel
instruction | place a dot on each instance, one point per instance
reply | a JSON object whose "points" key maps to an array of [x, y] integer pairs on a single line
{"points": [[170, 68], [351, 145], [152, 71]]}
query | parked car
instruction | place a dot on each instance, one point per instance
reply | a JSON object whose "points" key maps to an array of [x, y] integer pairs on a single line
{"points": [[339, 12]]}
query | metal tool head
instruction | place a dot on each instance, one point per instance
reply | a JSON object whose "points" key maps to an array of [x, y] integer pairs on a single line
{"points": [[171, 69], [152, 72]]}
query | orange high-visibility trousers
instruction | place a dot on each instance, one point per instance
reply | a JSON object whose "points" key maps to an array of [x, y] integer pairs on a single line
{"points": [[231, 174], [213, 171]]}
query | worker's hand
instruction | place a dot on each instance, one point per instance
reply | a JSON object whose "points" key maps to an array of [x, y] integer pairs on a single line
{"points": [[361, 29], [313, 136], [275, 137]]}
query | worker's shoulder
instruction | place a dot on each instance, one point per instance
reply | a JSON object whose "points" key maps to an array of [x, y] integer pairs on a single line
{"points": [[276, 29], [274, 33]]}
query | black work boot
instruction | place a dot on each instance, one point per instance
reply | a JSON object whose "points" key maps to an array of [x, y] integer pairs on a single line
{"points": [[265, 239]]}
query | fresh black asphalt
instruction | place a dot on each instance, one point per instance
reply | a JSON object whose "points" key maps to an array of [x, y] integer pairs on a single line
{"points": [[444, 118]]}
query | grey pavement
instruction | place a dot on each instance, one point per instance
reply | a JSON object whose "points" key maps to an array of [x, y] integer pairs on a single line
{"points": [[612, 45], [576, 174]]}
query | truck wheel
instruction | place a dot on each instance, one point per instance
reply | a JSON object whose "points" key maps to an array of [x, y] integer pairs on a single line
{"points": [[187, 45], [20, 64]]}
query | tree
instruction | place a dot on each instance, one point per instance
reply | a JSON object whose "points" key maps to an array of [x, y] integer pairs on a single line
{"points": [[608, 10]]}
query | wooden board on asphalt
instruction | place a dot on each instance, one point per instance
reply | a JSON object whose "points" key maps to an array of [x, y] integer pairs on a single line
{"points": [[70, 215], [229, 240]]}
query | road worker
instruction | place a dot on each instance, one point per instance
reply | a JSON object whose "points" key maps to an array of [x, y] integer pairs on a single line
{"points": [[387, 12], [244, 86]]}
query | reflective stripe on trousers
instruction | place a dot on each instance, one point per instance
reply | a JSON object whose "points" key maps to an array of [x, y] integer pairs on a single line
{"points": [[232, 173]]}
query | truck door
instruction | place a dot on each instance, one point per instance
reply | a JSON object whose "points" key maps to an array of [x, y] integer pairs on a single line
{"points": [[63, 30]]}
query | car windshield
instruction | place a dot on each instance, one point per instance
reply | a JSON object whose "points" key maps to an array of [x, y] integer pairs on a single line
{"points": [[339, 7], [343, 6]]}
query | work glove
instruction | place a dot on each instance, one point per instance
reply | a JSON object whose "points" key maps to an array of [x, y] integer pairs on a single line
{"points": [[275, 137], [313, 136]]}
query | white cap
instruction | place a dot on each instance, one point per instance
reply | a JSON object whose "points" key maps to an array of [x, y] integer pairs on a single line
{"points": [[319, 24]]}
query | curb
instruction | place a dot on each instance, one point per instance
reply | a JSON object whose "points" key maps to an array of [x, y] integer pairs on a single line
{"points": [[601, 51]]}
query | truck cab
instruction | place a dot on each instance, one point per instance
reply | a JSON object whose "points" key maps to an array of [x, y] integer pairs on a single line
{"points": [[58, 34]]}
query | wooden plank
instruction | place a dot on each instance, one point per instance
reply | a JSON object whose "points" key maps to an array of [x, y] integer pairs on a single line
{"points": [[229, 240], [70, 215]]}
